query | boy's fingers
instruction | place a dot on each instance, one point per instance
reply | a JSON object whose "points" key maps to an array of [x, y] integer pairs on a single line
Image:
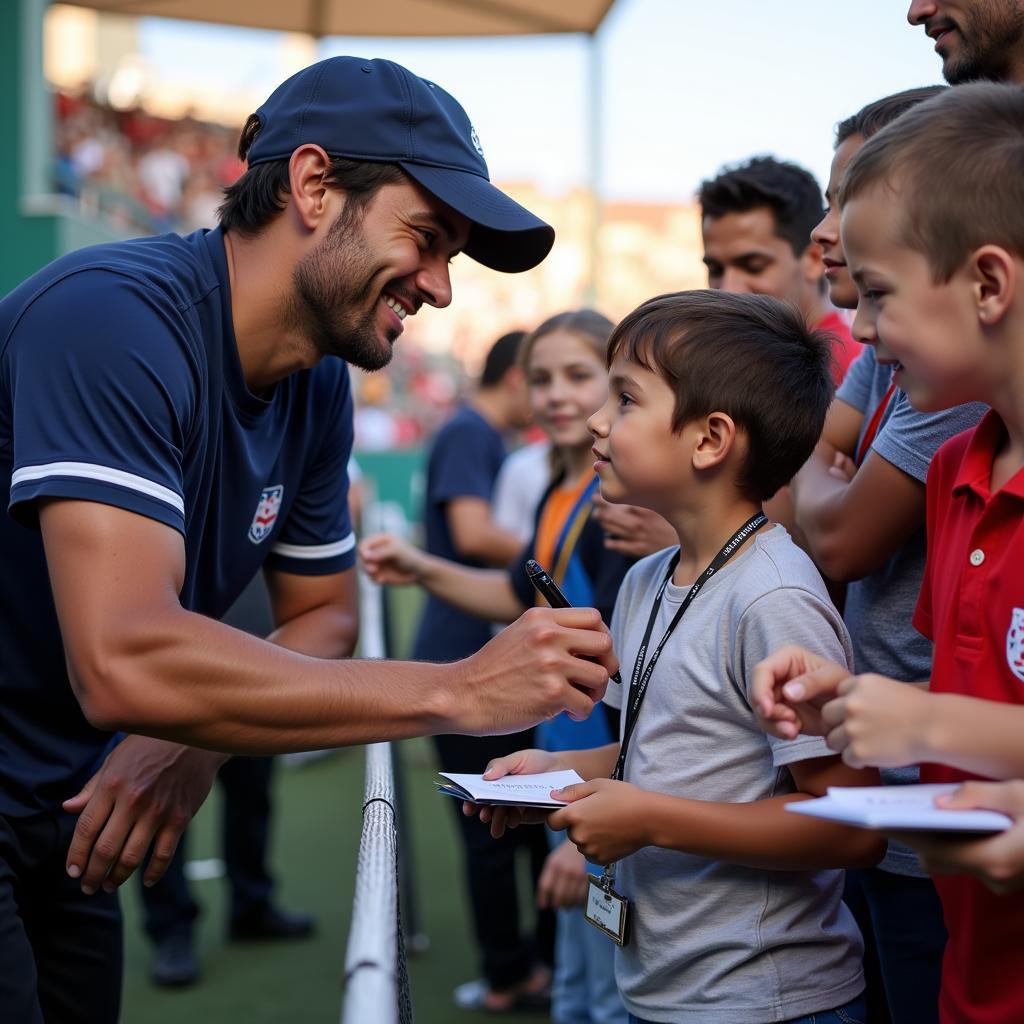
{"points": [[819, 682], [577, 791]]}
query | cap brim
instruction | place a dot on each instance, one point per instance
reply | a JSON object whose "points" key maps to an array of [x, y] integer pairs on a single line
{"points": [[504, 235]]}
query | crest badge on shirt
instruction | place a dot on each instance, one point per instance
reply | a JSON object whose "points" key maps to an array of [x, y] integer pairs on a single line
{"points": [[1015, 644], [266, 513]]}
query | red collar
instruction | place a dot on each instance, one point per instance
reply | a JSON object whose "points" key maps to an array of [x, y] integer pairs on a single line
{"points": [[975, 470]]}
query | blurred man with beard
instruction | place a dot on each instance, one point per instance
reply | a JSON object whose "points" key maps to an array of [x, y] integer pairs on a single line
{"points": [[976, 39], [169, 424]]}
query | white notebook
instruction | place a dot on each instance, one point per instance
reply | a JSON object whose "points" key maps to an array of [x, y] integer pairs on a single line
{"points": [[899, 807], [517, 790]]}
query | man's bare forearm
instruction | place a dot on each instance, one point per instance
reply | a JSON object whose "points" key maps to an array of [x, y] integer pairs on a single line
{"points": [[208, 685]]}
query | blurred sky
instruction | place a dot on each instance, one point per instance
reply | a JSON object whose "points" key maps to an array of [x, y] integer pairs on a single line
{"points": [[687, 84]]}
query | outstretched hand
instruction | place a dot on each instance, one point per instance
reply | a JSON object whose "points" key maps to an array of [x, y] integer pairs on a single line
{"points": [[389, 559], [146, 791]]}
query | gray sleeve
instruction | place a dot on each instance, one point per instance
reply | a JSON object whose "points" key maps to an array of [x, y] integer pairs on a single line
{"points": [[855, 389], [789, 615], [909, 439]]}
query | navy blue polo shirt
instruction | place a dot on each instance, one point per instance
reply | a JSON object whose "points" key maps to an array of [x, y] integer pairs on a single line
{"points": [[120, 383], [463, 463]]}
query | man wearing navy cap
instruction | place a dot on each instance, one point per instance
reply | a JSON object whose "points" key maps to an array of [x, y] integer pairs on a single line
{"points": [[168, 425]]}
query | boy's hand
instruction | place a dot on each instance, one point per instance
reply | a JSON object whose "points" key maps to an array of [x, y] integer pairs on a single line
{"points": [[879, 722], [998, 861], [790, 688], [563, 879], [389, 559], [522, 762], [605, 819]]}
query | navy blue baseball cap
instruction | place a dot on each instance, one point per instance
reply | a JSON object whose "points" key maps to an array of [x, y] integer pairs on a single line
{"points": [[379, 111]]}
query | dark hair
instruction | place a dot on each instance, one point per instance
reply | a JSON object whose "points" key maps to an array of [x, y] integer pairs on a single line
{"points": [[790, 192], [258, 196], [502, 357], [749, 356], [956, 162], [875, 116]]}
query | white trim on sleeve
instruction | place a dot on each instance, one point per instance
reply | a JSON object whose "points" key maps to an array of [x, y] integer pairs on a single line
{"points": [[339, 547], [104, 474]]}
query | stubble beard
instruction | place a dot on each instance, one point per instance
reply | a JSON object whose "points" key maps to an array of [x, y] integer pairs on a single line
{"points": [[335, 312], [990, 39]]}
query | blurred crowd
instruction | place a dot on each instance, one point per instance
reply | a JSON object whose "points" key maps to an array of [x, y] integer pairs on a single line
{"points": [[142, 171]]}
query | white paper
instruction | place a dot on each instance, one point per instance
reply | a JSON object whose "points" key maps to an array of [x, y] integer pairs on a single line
{"points": [[899, 807], [519, 790]]}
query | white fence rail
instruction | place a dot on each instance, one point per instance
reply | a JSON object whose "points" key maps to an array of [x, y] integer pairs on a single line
{"points": [[376, 981]]}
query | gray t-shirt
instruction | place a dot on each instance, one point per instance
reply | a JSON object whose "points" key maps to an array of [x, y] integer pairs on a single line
{"points": [[879, 607], [713, 941]]}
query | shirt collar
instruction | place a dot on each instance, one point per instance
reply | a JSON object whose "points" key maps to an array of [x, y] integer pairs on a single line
{"points": [[975, 471]]}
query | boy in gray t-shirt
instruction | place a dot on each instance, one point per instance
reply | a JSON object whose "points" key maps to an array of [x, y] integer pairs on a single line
{"points": [[735, 912]]}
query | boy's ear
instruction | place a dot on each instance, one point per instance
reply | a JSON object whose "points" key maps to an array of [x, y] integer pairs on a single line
{"points": [[715, 440], [994, 278]]}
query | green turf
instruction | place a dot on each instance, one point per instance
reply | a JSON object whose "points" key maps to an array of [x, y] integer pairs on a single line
{"points": [[316, 836]]}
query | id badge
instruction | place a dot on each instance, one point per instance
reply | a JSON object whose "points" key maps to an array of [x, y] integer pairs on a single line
{"points": [[607, 910]]}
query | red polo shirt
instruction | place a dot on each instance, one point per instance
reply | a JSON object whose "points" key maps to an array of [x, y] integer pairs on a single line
{"points": [[972, 608], [844, 348]]}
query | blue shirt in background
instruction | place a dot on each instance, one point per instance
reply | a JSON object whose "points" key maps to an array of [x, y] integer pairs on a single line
{"points": [[464, 462]]}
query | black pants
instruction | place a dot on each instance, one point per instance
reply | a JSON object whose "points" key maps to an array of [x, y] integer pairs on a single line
{"points": [[508, 955], [169, 905], [60, 950]]}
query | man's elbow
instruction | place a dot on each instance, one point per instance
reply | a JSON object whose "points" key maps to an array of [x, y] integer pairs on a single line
{"points": [[113, 697]]}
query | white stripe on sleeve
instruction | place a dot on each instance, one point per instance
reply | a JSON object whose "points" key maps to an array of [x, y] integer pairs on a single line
{"points": [[103, 474], [339, 547]]}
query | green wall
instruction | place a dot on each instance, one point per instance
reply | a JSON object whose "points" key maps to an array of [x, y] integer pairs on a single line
{"points": [[35, 226]]}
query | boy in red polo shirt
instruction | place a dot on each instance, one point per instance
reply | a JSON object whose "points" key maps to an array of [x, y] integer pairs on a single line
{"points": [[939, 265]]}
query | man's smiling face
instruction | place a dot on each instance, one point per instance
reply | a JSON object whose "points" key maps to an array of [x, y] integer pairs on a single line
{"points": [[377, 265]]}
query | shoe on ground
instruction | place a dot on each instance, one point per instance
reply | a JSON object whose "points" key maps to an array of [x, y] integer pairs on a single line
{"points": [[472, 995], [175, 964], [270, 922]]}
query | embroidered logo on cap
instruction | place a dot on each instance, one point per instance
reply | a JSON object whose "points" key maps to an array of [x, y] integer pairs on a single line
{"points": [[266, 513], [475, 139], [1015, 644]]}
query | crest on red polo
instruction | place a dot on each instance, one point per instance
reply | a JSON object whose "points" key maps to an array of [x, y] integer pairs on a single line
{"points": [[1015, 644], [266, 513]]}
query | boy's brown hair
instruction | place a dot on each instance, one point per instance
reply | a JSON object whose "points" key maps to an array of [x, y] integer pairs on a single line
{"points": [[750, 356], [957, 162]]}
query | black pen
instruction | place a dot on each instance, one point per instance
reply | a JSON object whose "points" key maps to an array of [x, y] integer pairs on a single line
{"points": [[548, 589], [545, 585]]}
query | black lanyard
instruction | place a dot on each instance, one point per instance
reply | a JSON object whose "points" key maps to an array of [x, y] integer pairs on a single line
{"points": [[641, 675]]}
